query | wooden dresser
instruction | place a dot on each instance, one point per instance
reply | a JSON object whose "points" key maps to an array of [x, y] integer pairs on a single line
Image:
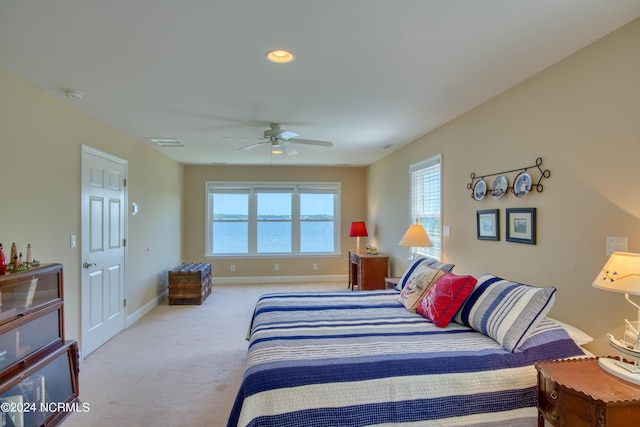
{"points": [[577, 393], [367, 272]]}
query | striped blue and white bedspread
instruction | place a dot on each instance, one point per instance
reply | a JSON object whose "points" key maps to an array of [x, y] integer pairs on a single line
{"points": [[360, 358]]}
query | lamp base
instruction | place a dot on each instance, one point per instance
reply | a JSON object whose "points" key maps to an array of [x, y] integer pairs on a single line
{"points": [[624, 371]]}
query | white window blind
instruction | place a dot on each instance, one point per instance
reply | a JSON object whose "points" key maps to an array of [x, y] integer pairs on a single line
{"points": [[426, 201]]}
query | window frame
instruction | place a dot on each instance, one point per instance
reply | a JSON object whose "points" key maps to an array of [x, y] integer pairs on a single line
{"points": [[417, 170], [253, 188]]}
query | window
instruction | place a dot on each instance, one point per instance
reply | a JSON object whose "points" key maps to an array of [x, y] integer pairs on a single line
{"points": [[255, 219], [426, 201]]}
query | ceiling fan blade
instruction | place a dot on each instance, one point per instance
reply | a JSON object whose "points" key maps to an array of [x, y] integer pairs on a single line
{"points": [[249, 147], [312, 142], [242, 137], [286, 134]]}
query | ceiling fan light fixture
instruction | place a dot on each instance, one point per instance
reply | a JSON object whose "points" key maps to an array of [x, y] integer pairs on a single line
{"points": [[279, 56], [288, 149]]}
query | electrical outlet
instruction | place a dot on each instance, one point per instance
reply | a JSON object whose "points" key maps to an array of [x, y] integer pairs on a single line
{"points": [[232, 268], [276, 267], [315, 266], [73, 241]]}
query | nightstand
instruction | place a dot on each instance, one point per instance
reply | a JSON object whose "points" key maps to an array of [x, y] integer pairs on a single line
{"points": [[367, 271], [391, 282], [577, 392]]}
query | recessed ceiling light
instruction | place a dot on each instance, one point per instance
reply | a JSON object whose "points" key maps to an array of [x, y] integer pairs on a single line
{"points": [[280, 56]]}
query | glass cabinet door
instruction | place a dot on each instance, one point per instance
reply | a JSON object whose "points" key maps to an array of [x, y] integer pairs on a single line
{"points": [[28, 334], [29, 290], [46, 392]]}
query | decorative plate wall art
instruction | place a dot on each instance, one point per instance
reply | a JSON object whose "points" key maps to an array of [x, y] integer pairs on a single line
{"points": [[479, 190], [499, 187], [522, 184]]}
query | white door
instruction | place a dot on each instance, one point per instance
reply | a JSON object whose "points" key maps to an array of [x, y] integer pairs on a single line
{"points": [[103, 247]]}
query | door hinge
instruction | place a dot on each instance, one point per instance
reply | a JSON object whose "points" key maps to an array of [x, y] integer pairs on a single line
{"points": [[124, 243], [124, 302], [125, 182]]}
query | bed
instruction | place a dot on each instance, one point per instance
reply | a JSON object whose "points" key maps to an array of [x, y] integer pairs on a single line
{"points": [[362, 358]]}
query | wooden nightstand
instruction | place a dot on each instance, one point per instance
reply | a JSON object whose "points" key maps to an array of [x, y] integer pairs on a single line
{"points": [[577, 392], [367, 272]]}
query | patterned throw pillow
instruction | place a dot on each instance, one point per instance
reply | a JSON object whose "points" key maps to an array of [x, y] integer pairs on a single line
{"points": [[418, 283], [431, 262], [442, 301], [505, 311]]}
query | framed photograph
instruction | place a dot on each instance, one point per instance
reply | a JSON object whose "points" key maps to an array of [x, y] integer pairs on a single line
{"points": [[521, 225], [488, 224]]}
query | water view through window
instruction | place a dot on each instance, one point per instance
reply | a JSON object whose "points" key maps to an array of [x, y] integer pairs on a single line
{"points": [[287, 221]]}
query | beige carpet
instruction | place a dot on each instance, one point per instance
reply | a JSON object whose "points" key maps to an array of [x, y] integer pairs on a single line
{"points": [[177, 366]]}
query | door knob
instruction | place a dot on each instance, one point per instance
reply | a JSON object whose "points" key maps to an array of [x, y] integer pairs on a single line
{"points": [[88, 264]]}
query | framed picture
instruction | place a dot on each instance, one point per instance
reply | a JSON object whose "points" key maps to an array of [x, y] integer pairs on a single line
{"points": [[488, 224], [521, 225]]}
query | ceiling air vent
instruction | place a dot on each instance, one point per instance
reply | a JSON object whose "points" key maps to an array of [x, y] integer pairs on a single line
{"points": [[166, 142]]}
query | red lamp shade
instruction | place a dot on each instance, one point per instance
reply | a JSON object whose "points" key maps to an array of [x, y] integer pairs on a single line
{"points": [[358, 229]]}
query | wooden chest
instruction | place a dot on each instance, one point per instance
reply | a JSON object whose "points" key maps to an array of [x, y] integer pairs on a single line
{"points": [[189, 284]]}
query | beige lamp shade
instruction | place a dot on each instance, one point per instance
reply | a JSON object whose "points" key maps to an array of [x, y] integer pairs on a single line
{"points": [[416, 236], [621, 273]]}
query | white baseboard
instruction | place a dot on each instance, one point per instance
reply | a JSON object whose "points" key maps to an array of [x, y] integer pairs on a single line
{"points": [[139, 313], [279, 279]]}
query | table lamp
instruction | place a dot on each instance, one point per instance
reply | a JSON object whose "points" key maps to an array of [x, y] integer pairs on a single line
{"points": [[621, 274], [416, 237], [358, 229]]}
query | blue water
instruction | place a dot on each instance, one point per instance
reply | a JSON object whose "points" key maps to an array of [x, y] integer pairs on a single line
{"points": [[273, 237]]}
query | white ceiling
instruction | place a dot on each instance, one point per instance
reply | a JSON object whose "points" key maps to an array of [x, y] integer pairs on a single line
{"points": [[369, 75]]}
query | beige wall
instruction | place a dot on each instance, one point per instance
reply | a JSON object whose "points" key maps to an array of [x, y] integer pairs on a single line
{"points": [[353, 203], [40, 164], [581, 117]]}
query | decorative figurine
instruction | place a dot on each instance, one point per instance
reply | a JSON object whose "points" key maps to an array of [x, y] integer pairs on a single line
{"points": [[3, 261], [14, 251]]}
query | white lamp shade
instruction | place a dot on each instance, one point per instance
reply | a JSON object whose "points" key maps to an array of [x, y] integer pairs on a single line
{"points": [[416, 236], [621, 273]]}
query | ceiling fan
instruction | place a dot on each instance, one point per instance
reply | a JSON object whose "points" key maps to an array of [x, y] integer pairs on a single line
{"points": [[280, 141]]}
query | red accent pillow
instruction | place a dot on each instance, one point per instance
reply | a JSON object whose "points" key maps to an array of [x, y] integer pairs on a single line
{"points": [[442, 301]]}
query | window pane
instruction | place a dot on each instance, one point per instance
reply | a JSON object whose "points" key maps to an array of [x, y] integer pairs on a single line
{"points": [[274, 206], [230, 207], [274, 237], [230, 227], [230, 237], [274, 222], [316, 236], [316, 206], [316, 222], [426, 202]]}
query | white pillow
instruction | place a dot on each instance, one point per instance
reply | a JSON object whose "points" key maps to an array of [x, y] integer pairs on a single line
{"points": [[579, 336]]}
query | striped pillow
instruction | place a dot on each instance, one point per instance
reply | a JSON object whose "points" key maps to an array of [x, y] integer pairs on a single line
{"points": [[505, 311]]}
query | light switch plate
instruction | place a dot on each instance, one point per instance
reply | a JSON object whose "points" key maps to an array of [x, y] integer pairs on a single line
{"points": [[446, 230], [616, 244]]}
